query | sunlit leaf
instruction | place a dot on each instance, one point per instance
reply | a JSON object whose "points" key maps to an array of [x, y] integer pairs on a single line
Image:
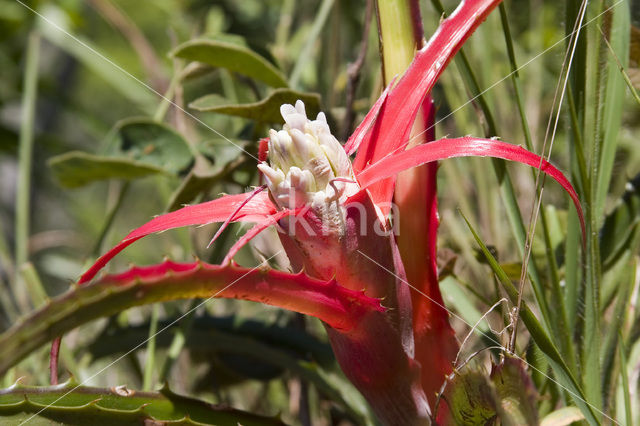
{"points": [[73, 405], [266, 111], [232, 57], [75, 169], [145, 148], [562, 417], [153, 143]]}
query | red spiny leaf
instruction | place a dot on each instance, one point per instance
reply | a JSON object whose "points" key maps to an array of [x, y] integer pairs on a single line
{"points": [[465, 147], [256, 229], [391, 131], [200, 214], [233, 215], [209, 212], [337, 306]]}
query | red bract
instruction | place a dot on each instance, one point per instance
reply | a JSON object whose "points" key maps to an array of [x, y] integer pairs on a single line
{"points": [[350, 271]]}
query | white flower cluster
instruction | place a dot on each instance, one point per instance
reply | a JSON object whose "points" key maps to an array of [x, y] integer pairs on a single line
{"points": [[305, 160]]}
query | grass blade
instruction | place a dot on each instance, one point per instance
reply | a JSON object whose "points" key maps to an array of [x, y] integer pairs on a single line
{"points": [[613, 99], [624, 375], [314, 33], [23, 213], [147, 381]]}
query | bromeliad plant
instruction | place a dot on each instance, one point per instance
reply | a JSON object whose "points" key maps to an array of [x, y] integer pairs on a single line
{"points": [[334, 220]]}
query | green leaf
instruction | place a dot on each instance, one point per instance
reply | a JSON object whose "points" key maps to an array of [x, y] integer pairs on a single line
{"points": [[516, 391], [153, 143], [74, 405], [232, 57], [145, 147], [75, 169], [266, 110], [614, 96], [562, 417]]}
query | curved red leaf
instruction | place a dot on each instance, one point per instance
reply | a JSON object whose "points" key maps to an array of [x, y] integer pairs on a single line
{"points": [[337, 306], [416, 198], [390, 132], [465, 147], [200, 214], [258, 228]]}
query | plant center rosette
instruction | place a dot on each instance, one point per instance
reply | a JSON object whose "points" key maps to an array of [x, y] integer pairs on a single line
{"points": [[340, 234], [309, 171]]}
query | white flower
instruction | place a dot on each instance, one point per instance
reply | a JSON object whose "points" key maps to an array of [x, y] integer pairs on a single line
{"points": [[305, 160]]}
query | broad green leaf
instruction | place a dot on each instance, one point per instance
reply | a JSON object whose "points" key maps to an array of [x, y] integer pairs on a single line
{"points": [[75, 169], [232, 57], [153, 143], [70, 404], [145, 147], [267, 110]]}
